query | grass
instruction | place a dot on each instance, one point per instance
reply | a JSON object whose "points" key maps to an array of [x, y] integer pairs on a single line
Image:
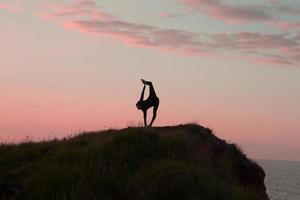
{"points": [[181, 162]]}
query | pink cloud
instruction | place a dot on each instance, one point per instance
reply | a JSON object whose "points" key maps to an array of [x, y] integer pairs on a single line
{"points": [[246, 43], [85, 16], [251, 41], [274, 59], [167, 14], [269, 14], [172, 15], [239, 14], [9, 7], [294, 53], [141, 35], [229, 13], [287, 25], [81, 8], [289, 10], [266, 48]]}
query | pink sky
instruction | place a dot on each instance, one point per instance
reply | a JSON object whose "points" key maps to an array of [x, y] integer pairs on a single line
{"points": [[75, 65]]}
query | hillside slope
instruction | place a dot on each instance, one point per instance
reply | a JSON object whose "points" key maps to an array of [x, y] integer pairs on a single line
{"points": [[180, 162]]}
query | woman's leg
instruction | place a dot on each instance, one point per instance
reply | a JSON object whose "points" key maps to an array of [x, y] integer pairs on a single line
{"points": [[145, 118], [154, 112], [151, 88]]}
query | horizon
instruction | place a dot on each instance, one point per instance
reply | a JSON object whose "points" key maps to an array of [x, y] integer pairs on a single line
{"points": [[26, 139], [75, 65]]}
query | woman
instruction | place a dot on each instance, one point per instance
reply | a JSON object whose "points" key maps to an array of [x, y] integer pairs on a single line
{"points": [[151, 101]]}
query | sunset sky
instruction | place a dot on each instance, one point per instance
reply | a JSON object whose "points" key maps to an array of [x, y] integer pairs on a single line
{"points": [[68, 66]]}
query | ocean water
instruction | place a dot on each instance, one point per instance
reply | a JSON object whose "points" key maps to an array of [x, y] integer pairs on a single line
{"points": [[282, 179]]}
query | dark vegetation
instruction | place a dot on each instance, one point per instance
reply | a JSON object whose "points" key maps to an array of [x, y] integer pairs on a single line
{"points": [[181, 162]]}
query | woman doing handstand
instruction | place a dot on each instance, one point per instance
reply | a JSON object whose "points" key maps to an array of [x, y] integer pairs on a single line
{"points": [[151, 101]]}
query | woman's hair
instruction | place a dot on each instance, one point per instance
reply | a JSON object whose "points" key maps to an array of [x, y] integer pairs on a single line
{"points": [[139, 105]]}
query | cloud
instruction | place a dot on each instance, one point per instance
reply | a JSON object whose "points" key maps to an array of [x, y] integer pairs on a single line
{"points": [[274, 59], [236, 14], [294, 53], [230, 13], [289, 10], [173, 15], [9, 7], [266, 48], [141, 35], [252, 41], [71, 9], [168, 14], [87, 17], [287, 25]]}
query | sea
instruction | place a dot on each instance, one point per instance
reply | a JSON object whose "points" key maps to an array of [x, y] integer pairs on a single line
{"points": [[282, 179]]}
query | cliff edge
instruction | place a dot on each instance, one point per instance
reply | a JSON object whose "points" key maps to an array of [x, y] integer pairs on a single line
{"points": [[177, 162]]}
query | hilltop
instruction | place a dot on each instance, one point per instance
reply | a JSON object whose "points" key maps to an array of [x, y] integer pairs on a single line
{"points": [[179, 162]]}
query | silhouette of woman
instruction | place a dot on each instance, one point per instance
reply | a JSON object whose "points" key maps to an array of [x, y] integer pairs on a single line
{"points": [[151, 101]]}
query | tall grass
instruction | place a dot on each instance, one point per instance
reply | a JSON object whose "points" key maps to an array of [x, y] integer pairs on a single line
{"points": [[183, 162]]}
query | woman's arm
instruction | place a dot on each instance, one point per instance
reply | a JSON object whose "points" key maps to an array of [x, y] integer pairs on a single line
{"points": [[142, 95]]}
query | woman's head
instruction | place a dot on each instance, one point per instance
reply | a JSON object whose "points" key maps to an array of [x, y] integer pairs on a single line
{"points": [[139, 105]]}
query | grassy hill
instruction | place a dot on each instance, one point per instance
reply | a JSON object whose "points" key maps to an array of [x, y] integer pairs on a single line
{"points": [[181, 162]]}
